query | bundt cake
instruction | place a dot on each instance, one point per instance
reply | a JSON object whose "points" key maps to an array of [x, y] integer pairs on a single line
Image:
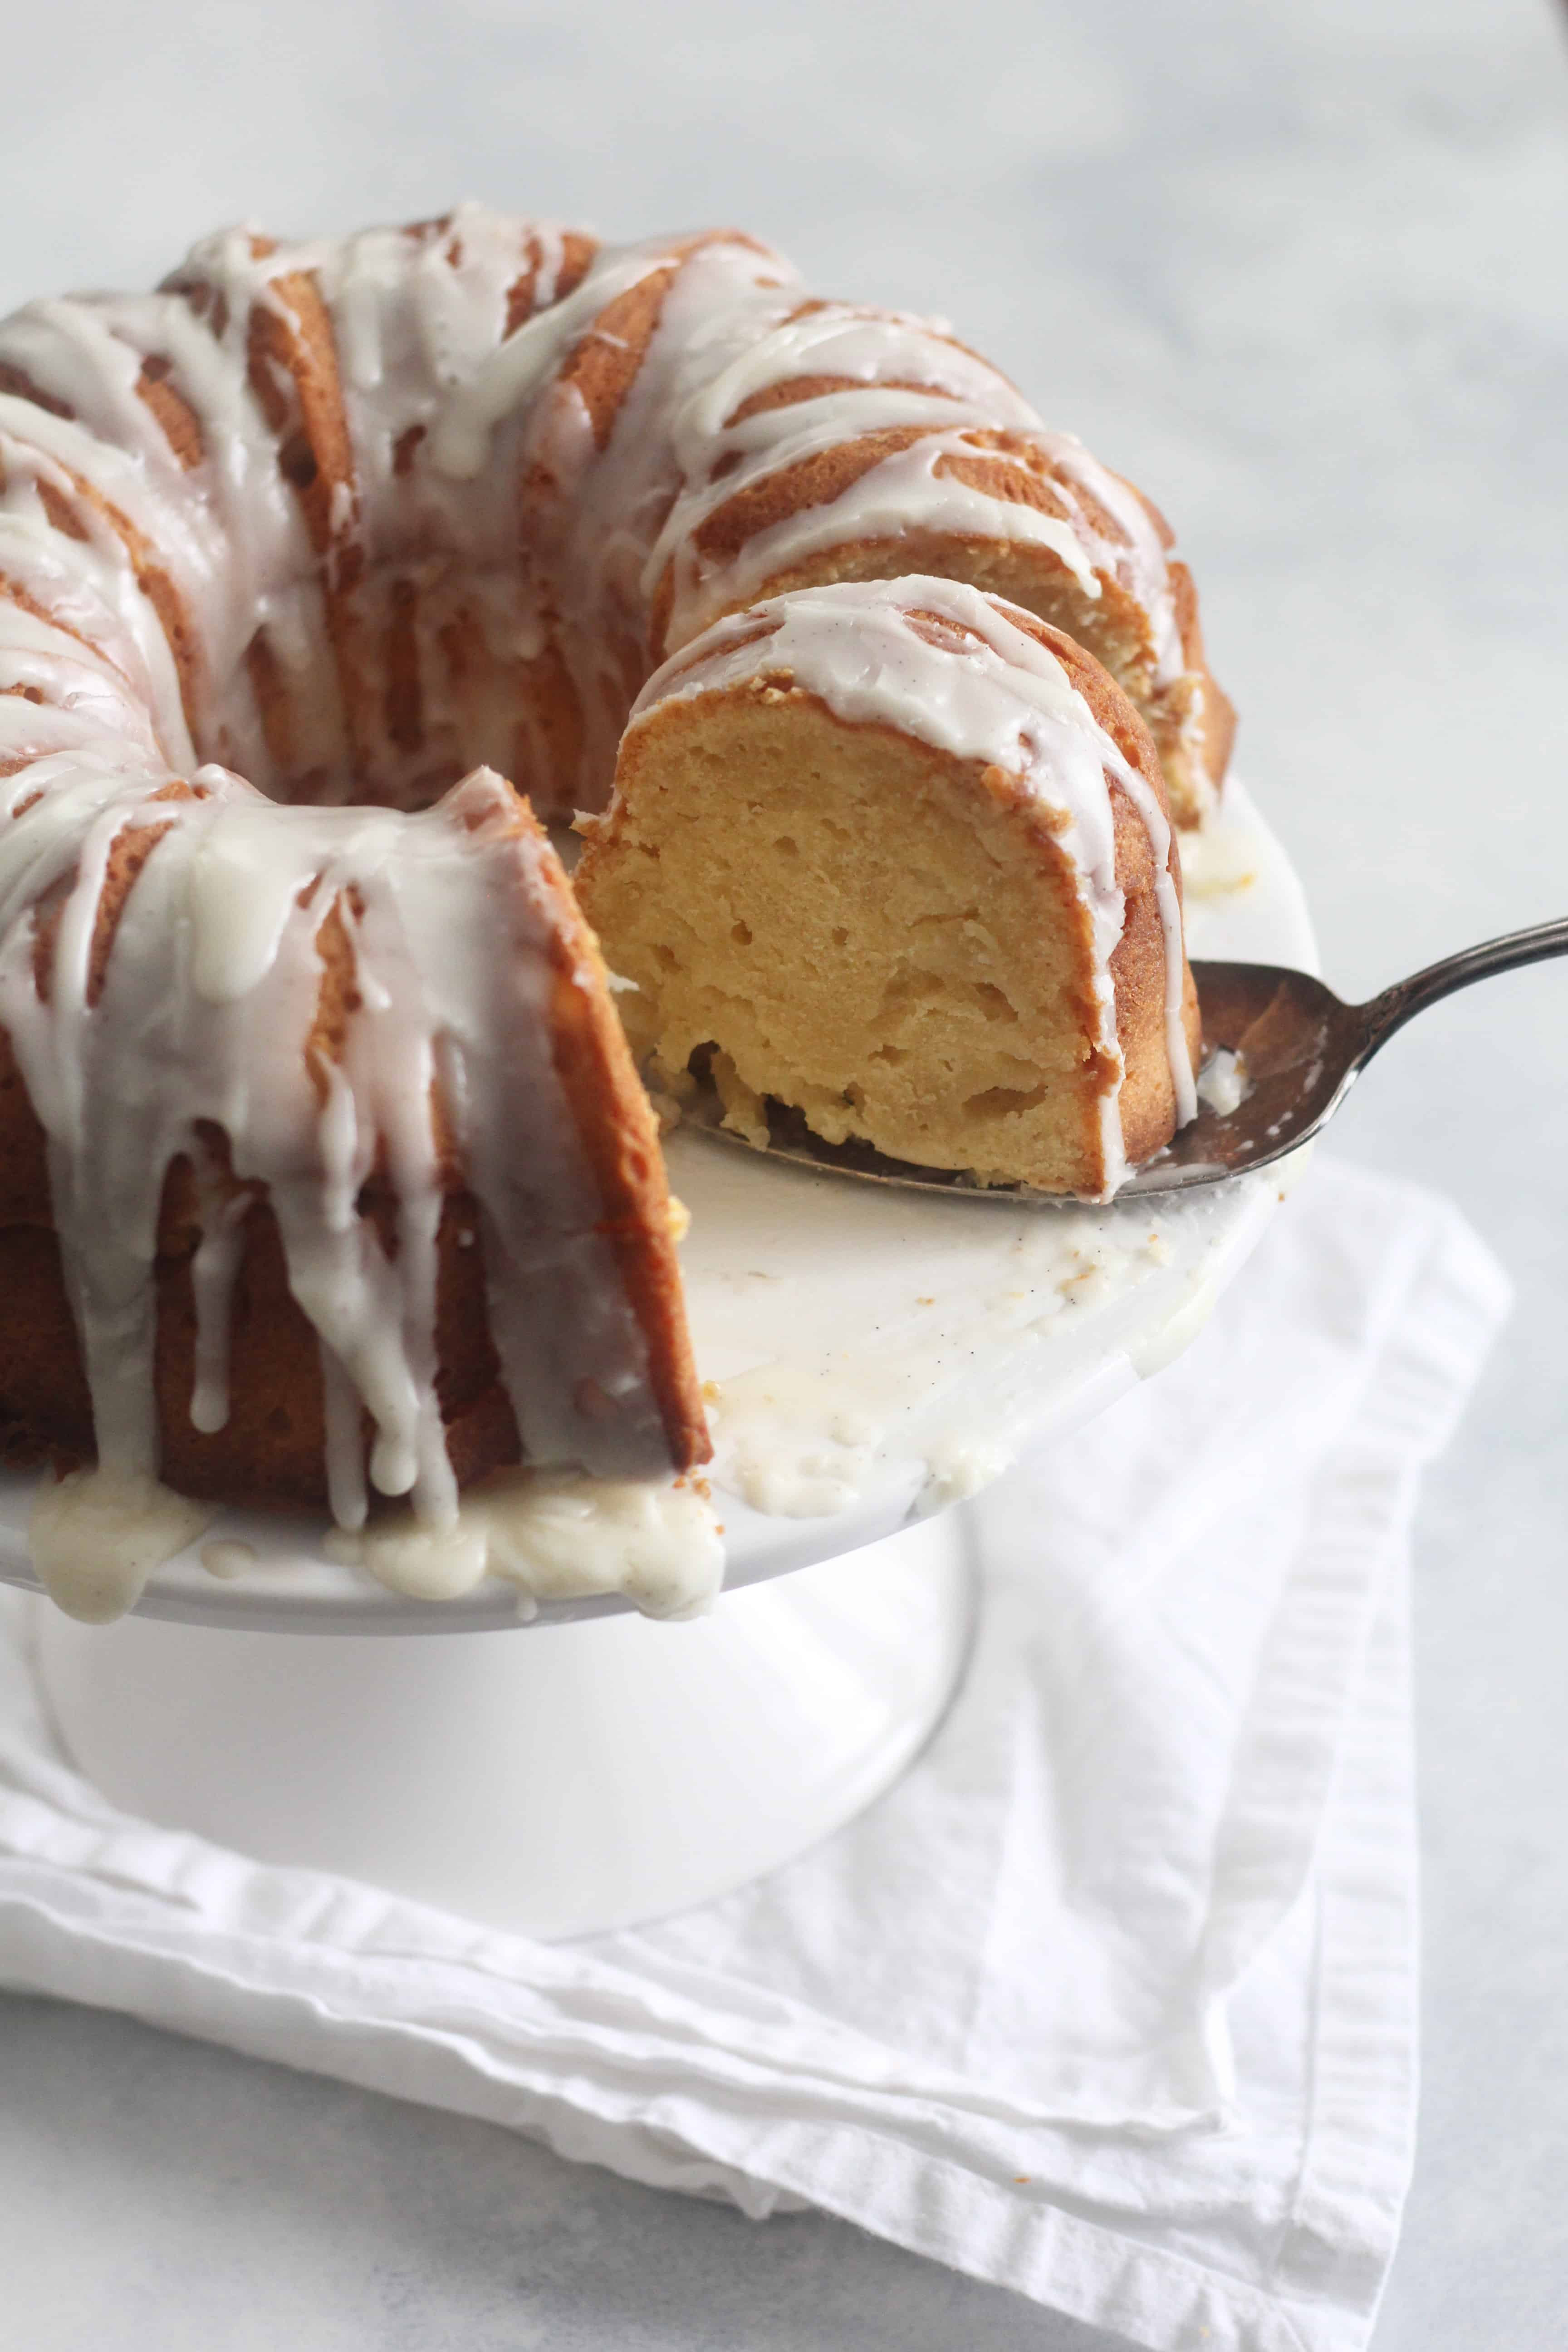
{"points": [[900, 855], [324, 1170]]}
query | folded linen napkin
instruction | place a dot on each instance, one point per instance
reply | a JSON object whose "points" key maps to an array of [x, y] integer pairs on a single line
{"points": [[1110, 2001]]}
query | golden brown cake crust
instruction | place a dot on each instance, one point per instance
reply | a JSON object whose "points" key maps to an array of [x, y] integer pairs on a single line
{"points": [[1138, 964]]}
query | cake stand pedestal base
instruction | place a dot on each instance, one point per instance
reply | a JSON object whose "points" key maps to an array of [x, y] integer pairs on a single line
{"points": [[555, 1781]]}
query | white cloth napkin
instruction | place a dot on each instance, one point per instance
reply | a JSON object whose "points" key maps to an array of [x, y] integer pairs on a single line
{"points": [[1110, 2001]]}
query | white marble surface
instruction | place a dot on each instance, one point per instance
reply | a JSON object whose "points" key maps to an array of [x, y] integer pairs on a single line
{"points": [[1298, 270]]}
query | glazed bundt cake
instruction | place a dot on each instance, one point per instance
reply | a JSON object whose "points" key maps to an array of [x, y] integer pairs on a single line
{"points": [[900, 856], [325, 1170]]}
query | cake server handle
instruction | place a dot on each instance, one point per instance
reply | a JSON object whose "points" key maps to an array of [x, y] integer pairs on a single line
{"points": [[1389, 1011]]}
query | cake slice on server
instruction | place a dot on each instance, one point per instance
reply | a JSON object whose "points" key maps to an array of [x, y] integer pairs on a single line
{"points": [[900, 854]]}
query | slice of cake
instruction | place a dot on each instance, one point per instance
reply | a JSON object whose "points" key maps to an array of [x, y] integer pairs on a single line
{"points": [[899, 855]]}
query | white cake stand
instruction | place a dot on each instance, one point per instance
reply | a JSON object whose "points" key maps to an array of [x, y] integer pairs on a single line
{"points": [[873, 1357]]}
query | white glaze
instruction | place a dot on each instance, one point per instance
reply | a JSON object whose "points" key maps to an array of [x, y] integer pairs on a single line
{"points": [[1219, 860], [206, 1018], [214, 974], [990, 693], [228, 1559], [96, 1536], [906, 371], [945, 1371], [419, 323], [556, 1538], [1222, 1083]]}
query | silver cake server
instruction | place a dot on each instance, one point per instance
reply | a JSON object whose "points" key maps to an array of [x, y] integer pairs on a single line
{"points": [[1279, 1039]]}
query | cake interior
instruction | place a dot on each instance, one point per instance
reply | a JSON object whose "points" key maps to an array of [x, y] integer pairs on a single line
{"points": [[862, 934]]}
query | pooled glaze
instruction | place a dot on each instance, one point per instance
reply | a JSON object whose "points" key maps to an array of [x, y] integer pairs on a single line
{"points": [[96, 1535], [555, 1538], [916, 1349], [229, 1558], [985, 690]]}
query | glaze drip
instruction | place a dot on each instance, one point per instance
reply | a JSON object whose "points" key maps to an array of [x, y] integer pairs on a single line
{"points": [[206, 1014]]}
